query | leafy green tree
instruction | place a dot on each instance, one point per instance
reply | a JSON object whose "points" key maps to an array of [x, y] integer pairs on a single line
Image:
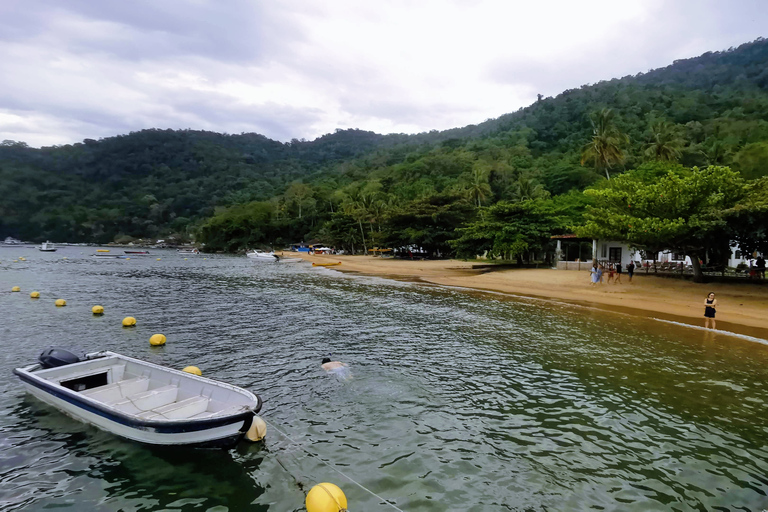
{"points": [[748, 219], [683, 210], [298, 194], [605, 149], [752, 160], [510, 230], [429, 223]]}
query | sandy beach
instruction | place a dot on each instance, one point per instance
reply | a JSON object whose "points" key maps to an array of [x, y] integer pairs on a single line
{"points": [[742, 307]]}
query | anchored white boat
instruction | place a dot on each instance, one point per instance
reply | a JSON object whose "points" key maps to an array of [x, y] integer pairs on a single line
{"points": [[142, 401], [47, 247], [262, 256]]}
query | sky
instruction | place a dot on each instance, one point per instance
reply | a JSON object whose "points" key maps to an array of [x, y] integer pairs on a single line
{"points": [[299, 69]]}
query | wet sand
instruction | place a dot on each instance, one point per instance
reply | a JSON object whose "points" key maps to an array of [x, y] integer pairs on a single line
{"points": [[742, 307]]}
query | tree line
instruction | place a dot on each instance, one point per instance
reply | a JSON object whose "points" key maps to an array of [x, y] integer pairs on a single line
{"points": [[502, 186]]}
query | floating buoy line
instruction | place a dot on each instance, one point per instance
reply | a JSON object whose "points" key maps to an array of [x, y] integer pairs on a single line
{"points": [[300, 445], [323, 497]]}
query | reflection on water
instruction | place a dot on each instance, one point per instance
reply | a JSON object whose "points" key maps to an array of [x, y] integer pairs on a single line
{"points": [[459, 400]]}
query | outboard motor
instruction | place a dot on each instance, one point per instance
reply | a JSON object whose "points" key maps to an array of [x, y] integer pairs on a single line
{"points": [[55, 357]]}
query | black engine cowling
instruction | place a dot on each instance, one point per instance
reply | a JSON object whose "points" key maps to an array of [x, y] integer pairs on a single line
{"points": [[55, 357]]}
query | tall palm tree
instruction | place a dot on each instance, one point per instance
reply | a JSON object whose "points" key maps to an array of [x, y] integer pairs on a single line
{"points": [[605, 147], [665, 144], [479, 188], [527, 187]]}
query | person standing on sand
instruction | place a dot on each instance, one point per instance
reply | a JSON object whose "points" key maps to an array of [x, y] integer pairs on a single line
{"points": [[611, 272], [618, 274], [760, 264], [710, 305], [594, 274], [630, 270]]}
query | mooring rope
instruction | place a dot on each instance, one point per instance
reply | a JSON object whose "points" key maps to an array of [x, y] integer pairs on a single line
{"points": [[332, 467]]}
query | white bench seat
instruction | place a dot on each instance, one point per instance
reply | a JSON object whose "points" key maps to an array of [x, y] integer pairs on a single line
{"points": [[117, 391], [151, 399], [223, 412], [180, 410]]}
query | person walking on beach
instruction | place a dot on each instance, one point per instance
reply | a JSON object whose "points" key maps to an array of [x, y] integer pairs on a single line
{"points": [[618, 274], [611, 272], [594, 274], [630, 270], [710, 305], [760, 264]]}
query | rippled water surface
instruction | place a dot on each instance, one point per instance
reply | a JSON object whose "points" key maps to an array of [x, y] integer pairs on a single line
{"points": [[458, 401]]}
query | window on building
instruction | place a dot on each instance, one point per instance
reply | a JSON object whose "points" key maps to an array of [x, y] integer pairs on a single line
{"points": [[614, 255], [604, 251], [738, 255]]}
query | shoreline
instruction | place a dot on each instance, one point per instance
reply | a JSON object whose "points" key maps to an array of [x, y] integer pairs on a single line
{"points": [[742, 308]]}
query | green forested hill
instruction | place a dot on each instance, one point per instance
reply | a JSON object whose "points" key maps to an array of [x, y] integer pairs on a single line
{"points": [[354, 188]]}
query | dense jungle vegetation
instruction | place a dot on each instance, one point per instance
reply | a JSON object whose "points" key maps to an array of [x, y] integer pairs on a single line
{"points": [[505, 185]]}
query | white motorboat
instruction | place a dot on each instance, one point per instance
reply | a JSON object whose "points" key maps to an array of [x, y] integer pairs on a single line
{"points": [[262, 256], [188, 250], [48, 247], [141, 401]]}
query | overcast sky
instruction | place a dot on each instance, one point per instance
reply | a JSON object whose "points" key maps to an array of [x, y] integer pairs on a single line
{"points": [[78, 69]]}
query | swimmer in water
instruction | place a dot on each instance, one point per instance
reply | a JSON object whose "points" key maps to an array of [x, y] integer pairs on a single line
{"points": [[337, 368]]}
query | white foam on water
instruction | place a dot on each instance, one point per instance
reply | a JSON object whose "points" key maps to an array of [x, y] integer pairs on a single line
{"points": [[714, 331]]}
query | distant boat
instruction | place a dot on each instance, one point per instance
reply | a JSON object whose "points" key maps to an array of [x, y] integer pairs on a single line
{"points": [[12, 241], [48, 247], [137, 253], [188, 250], [262, 256], [326, 264]]}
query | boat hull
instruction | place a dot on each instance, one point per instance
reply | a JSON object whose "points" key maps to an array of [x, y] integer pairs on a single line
{"points": [[217, 432]]}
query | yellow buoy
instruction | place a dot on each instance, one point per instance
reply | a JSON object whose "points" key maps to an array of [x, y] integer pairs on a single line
{"points": [[64, 258], [102, 250], [258, 430], [34, 295], [97, 310], [60, 303], [185, 259], [22, 259], [194, 370], [129, 321], [326, 497], [15, 289], [156, 340], [158, 259]]}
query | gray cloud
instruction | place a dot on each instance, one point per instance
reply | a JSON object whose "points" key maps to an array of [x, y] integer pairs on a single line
{"points": [[293, 69]]}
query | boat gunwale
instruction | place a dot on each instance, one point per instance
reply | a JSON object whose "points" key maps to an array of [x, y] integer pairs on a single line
{"points": [[162, 426]]}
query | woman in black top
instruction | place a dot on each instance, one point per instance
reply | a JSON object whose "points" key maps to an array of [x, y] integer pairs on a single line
{"points": [[710, 304]]}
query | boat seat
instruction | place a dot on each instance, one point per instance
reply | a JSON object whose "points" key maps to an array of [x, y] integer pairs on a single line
{"points": [[117, 391], [224, 412], [177, 410], [146, 400]]}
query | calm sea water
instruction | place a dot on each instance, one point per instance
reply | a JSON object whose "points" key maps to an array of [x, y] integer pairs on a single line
{"points": [[459, 401]]}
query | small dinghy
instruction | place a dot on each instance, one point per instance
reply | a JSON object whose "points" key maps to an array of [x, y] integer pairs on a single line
{"points": [[326, 264], [142, 401]]}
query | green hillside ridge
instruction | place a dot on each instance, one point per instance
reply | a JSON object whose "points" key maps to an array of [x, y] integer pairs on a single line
{"points": [[357, 189]]}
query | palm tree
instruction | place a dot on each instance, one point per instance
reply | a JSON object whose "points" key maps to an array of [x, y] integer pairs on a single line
{"points": [[605, 148], [665, 144], [479, 188], [527, 187]]}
